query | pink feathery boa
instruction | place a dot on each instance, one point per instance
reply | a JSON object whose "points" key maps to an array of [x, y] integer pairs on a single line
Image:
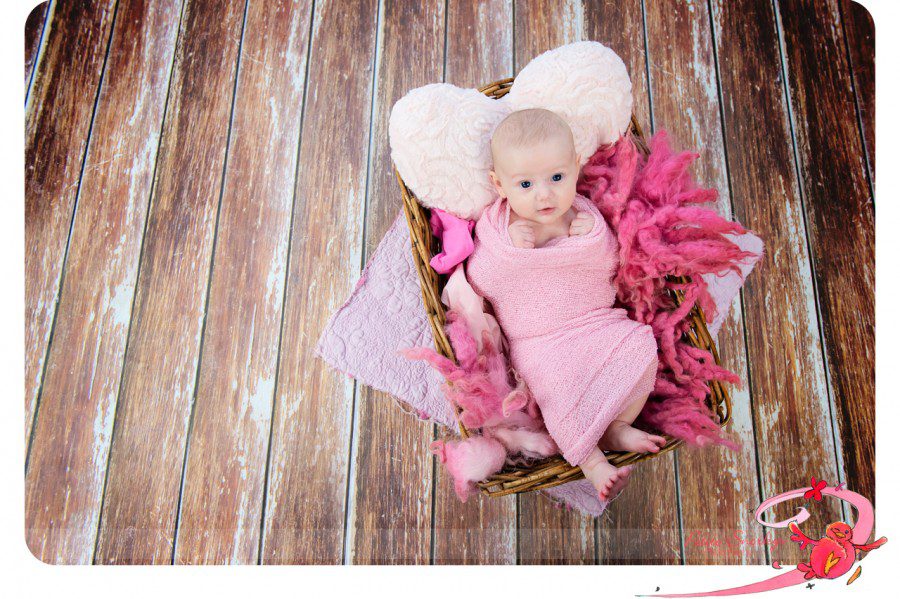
{"points": [[652, 205]]}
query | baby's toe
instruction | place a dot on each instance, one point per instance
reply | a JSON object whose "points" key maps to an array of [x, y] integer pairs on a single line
{"points": [[608, 485], [653, 443], [604, 491], [620, 483], [647, 444]]}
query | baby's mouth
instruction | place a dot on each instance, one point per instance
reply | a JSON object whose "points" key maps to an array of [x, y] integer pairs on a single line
{"points": [[546, 210]]}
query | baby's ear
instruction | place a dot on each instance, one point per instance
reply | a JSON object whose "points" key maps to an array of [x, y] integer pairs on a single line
{"points": [[495, 181]]}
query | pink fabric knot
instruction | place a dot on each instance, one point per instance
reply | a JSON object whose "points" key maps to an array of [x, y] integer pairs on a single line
{"points": [[455, 234]]}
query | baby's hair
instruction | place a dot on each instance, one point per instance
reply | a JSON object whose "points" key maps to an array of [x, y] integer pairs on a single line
{"points": [[524, 128]]}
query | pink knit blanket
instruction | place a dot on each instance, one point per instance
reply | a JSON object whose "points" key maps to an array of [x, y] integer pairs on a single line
{"points": [[583, 360]]}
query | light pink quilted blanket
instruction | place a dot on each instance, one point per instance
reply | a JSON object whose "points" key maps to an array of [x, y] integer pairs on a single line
{"points": [[384, 313]]}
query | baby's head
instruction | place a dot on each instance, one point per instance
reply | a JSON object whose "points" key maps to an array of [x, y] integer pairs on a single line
{"points": [[535, 164]]}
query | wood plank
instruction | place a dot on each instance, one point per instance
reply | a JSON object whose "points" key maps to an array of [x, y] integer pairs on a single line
{"points": [[684, 88], [548, 534], [641, 526], [57, 123], [859, 30], [390, 508], [490, 22], [34, 28], [482, 530], [542, 25], [222, 497], [307, 484], [841, 222], [64, 479], [147, 454], [791, 416]]}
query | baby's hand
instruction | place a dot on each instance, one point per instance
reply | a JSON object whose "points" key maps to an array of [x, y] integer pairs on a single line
{"points": [[582, 223], [521, 233]]}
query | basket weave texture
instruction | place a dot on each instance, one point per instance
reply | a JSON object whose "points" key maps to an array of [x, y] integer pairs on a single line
{"points": [[553, 471]]}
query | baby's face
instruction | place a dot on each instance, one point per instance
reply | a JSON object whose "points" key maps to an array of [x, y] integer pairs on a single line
{"points": [[538, 181]]}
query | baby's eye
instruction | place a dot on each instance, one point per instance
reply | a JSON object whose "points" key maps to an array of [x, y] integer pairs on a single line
{"points": [[557, 177], [525, 184]]}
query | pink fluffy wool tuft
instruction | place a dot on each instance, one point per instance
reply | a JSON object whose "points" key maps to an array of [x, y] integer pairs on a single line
{"points": [[479, 385], [506, 414], [469, 461], [653, 206]]}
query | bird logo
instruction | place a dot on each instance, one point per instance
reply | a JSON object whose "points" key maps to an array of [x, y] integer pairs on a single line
{"points": [[831, 556], [834, 554]]}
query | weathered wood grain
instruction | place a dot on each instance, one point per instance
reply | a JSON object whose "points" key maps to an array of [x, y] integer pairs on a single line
{"points": [[718, 488], [859, 30], [790, 394], [548, 534], [641, 526], [479, 42], [307, 484], [542, 25], [147, 454], [482, 530], [222, 497], [34, 26], [390, 500], [57, 122], [64, 480], [840, 217]]}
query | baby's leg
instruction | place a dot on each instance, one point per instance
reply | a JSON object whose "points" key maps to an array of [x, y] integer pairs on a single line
{"points": [[606, 478], [621, 436]]}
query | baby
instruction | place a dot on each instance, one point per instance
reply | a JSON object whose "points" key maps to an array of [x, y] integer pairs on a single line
{"points": [[598, 366]]}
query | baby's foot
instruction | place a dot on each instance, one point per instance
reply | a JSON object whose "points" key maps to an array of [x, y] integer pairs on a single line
{"points": [[620, 436], [609, 480], [606, 478]]}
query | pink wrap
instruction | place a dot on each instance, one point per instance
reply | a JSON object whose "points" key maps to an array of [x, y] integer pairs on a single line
{"points": [[583, 360]]}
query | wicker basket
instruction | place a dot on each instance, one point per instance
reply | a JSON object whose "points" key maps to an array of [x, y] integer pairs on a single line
{"points": [[550, 471]]}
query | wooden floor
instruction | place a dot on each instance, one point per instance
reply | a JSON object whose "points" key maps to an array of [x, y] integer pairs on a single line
{"points": [[206, 179]]}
